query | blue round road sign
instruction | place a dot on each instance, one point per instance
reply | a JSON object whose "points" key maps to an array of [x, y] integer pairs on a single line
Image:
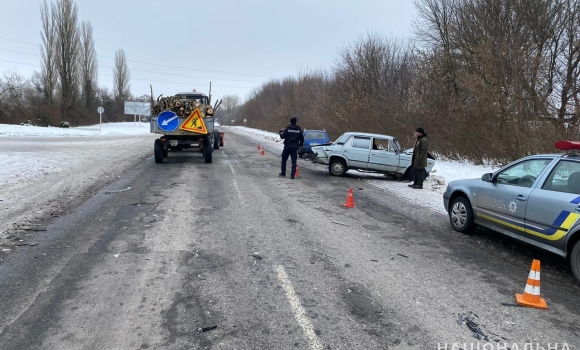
{"points": [[168, 121]]}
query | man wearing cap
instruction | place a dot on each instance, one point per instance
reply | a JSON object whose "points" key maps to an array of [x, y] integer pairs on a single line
{"points": [[293, 140], [419, 160]]}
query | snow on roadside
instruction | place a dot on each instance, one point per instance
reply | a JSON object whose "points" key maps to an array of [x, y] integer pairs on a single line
{"points": [[431, 197], [259, 136], [42, 167], [127, 128]]}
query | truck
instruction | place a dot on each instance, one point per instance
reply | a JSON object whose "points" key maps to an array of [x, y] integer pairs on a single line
{"points": [[185, 120]]}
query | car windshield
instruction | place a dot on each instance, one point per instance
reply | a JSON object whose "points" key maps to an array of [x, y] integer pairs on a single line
{"points": [[318, 135], [198, 98]]}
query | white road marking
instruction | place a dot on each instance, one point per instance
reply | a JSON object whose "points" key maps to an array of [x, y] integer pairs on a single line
{"points": [[299, 311], [236, 187]]}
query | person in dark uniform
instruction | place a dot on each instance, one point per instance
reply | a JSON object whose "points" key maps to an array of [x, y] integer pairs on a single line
{"points": [[419, 159], [293, 140]]}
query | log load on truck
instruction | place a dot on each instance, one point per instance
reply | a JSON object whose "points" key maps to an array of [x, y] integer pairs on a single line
{"points": [[185, 120]]}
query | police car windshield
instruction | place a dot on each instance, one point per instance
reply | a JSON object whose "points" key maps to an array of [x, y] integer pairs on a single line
{"points": [[315, 136]]}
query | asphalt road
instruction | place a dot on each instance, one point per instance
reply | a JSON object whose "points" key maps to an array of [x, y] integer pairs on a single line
{"points": [[271, 263]]}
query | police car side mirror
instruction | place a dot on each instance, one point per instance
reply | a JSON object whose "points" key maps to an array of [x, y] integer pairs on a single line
{"points": [[487, 177]]}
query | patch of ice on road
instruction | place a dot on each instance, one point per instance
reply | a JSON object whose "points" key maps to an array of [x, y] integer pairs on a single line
{"points": [[126, 128]]}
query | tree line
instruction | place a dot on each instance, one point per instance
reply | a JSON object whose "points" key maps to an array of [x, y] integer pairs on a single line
{"points": [[490, 81], [66, 88]]}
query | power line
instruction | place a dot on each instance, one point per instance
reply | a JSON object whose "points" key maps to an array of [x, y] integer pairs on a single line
{"points": [[149, 80], [147, 71], [156, 64]]}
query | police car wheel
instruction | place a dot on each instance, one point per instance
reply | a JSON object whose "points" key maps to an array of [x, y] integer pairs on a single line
{"points": [[575, 261], [461, 215]]}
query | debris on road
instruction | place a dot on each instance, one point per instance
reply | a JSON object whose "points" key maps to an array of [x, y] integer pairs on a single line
{"points": [[205, 329], [339, 223], [117, 191], [476, 328], [257, 256], [374, 260], [404, 256], [347, 265], [511, 305]]}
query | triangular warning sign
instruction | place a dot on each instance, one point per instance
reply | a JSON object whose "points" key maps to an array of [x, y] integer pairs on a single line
{"points": [[194, 123]]}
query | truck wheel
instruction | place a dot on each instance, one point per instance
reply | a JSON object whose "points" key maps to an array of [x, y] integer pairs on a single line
{"points": [[207, 149], [337, 167], [216, 140], [158, 151], [461, 215], [575, 260]]}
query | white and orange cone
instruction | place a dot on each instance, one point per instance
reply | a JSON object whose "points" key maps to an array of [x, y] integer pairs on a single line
{"points": [[531, 296]]}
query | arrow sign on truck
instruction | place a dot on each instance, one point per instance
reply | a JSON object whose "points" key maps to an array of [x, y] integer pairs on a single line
{"points": [[168, 121]]}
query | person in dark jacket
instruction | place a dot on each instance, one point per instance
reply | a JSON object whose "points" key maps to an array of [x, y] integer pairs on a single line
{"points": [[293, 140], [419, 159]]}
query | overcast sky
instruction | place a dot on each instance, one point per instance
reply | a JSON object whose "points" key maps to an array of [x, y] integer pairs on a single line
{"points": [[182, 45]]}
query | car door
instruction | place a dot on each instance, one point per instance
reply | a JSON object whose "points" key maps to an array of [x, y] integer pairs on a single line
{"points": [[357, 151], [501, 203], [553, 209], [383, 157]]}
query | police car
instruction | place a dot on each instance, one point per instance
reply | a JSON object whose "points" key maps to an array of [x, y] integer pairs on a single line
{"points": [[535, 200]]}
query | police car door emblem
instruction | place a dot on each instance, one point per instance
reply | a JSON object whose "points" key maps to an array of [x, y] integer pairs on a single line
{"points": [[513, 206]]}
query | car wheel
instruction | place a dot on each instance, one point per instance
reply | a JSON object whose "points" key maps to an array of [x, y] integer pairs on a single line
{"points": [[461, 215], [337, 167], [575, 261], [300, 155]]}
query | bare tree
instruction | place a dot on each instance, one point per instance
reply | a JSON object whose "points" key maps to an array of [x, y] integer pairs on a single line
{"points": [[230, 103], [121, 76], [64, 14], [48, 79], [89, 66]]}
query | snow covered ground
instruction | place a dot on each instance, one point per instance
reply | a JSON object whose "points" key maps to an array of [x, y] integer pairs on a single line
{"points": [[432, 197], [107, 129], [43, 166]]}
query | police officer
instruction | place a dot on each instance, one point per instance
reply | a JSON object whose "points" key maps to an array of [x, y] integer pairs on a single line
{"points": [[293, 140]]}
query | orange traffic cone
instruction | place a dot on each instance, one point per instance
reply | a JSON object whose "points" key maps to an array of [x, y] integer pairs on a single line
{"points": [[297, 174], [531, 296], [263, 151], [349, 200]]}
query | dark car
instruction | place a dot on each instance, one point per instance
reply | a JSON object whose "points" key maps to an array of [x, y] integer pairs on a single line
{"points": [[313, 138]]}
